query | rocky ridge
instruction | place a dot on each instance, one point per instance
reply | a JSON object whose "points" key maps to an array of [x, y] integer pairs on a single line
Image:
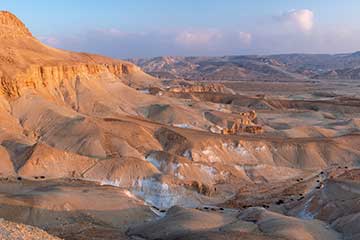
{"points": [[285, 67], [12, 27]]}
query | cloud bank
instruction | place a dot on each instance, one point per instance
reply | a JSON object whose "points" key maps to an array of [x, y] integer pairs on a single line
{"points": [[290, 31]]}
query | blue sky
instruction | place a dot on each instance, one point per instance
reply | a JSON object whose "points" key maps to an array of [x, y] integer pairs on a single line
{"points": [[146, 28]]}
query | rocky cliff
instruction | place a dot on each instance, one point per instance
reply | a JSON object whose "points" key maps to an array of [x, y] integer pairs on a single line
{"points": [[27, 63], [37, 76]]}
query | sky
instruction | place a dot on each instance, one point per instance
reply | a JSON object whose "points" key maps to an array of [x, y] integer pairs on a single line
{"points": [[150, 28]]}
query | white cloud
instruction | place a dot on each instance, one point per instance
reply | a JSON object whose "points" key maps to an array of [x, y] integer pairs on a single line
{"points": [[302, 19], [245, 37], [196, 38]]}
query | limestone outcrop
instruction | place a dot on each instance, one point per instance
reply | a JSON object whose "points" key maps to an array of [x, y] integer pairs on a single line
{"points": [[232, 124], [246, 123], [199, 88], [238, 127]]}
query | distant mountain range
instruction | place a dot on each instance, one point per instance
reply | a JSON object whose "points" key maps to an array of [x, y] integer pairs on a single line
{"points": [[253, 67]]}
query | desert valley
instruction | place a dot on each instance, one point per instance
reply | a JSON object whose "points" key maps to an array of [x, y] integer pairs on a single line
{"points": [[234, 147]]}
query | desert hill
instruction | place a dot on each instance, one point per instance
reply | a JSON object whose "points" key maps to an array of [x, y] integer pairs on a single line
{"points": [[95, 148]]}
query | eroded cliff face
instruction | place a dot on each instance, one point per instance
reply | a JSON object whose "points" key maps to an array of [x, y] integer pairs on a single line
{"points": [[38, 77]]}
